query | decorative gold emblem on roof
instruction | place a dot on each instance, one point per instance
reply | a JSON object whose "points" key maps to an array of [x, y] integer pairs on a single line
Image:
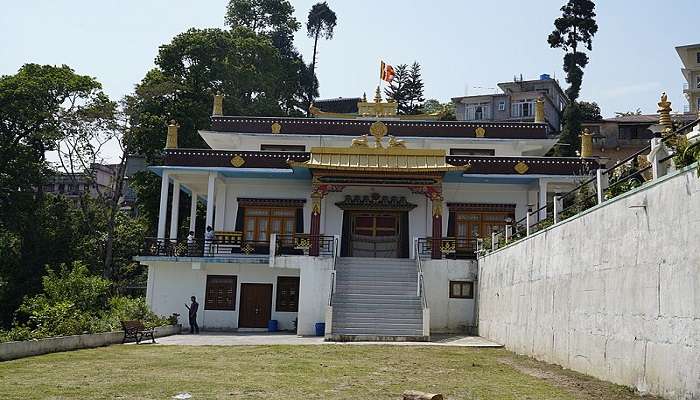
{"points": [[480, 132], [237, 161], [521, 168], [276, 127], [378, 130]]}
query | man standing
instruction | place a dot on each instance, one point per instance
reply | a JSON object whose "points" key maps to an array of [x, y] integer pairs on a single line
{"points": [[193, 307]]}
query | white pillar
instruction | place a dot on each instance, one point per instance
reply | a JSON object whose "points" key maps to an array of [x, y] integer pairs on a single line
{"points": [[601, 184], [193, 211], [527, 221], [542, 200], [163, 212], [211, 199], [220, 210], [557, 208], [175, 210]]}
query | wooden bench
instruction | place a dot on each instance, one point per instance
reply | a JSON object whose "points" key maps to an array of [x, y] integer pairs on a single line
{"points": [[137, 330]]}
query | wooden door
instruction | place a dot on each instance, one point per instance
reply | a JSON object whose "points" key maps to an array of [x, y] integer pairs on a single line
{"points": [[374, 234], [256, 305]]}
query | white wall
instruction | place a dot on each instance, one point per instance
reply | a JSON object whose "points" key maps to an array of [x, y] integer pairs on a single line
{"points": [[170, 285], [446, 314], [613, 293]]}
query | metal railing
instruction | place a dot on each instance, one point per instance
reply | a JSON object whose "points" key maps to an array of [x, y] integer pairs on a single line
{"points": [[331, 290], [456, 248], [233, 246], [420, 287], [607, 184], [302, 243]]}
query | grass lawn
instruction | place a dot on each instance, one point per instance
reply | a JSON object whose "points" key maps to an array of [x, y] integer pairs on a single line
{"points": [[293, 372]]}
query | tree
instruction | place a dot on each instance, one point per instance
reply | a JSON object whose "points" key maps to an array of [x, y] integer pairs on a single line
{"points": [[398, 90], [590, 111], [576, 26], [414, 88], [638, 111], [321, 22], [446, 110]]}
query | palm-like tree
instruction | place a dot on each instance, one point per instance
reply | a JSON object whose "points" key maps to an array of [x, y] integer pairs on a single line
{"points": [[321, 23]]}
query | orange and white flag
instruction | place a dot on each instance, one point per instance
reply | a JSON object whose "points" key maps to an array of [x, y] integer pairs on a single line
{"points": [[386, 72]]}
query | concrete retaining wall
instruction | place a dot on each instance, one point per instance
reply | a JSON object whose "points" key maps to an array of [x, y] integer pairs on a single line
{"points": [[14, 350], [613, 293]]}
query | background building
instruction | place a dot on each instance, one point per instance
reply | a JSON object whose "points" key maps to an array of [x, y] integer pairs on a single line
{"points": [[690, 56], [515, 103]]}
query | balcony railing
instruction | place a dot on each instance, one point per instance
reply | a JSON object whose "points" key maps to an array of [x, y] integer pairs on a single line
{"points": [[455, 248], [237, 246]]}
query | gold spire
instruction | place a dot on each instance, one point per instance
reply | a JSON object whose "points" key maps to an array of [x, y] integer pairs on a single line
{"points": [[539, 111], [218, 104], [665, 113], [586, 144], [171, 139], [364, 97], [377, 96]]}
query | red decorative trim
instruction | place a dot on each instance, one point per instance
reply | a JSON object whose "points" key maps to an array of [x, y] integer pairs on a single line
{"points": [[252, 202], [480, 207]]}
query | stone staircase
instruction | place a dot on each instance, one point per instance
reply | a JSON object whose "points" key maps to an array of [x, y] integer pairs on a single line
{"points": [[376, 299]]}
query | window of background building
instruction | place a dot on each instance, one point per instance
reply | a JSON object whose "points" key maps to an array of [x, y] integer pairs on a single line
{"points": [[282, 147], [61, 188], [697, 82], [287, 294], [220, 293], [502, 105], [472, 152], [477, 112], [698, 57], [461, 290], [522, 108]]}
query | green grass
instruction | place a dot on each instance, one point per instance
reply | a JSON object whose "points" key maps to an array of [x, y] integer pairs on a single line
{"points": [[293, 372]]}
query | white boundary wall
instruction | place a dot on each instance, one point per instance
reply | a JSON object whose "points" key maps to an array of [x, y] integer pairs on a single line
{"points": [[613, 292]]}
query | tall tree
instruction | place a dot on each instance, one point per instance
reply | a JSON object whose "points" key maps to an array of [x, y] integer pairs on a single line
{"points": [[590, 111], [414, 87], [398, 90], [320, 23], [574, 28]]}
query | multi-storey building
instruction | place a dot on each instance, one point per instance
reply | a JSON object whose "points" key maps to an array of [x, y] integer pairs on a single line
{"points": [[365, 221], [515, 103], [690, 57]]}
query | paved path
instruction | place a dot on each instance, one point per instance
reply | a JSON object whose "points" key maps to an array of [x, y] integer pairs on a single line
{"points": [[249, 339]]}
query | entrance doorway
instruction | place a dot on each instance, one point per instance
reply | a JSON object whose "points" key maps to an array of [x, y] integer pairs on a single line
{"points": [[375, 234], [256, 305]]}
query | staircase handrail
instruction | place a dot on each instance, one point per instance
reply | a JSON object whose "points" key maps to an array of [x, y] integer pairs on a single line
{"points": [[332, 280], [420, 284]]}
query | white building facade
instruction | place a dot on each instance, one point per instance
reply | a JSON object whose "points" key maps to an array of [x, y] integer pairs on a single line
{"points": [[366, 223]]}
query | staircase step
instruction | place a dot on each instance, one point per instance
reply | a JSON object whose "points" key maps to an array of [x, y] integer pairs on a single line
{"points": [[374, 331]]}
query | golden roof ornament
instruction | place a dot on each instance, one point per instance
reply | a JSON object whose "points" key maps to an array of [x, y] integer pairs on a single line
{"points": [[218, 105], [377, 96], [539, 111], [586, 144], [171, 139], [665, 113], [378, 129]]}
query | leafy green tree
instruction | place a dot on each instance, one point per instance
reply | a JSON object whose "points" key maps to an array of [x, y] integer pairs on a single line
{"points": [[320, 23], [414, 88], [575, 27], [398, 90], [638, 111], [590, 111], [446, 110]]}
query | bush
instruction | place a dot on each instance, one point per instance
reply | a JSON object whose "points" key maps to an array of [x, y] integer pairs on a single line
{"points": [[75, 302]]}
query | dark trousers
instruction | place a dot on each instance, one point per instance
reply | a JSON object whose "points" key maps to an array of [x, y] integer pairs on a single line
{"points": [[194, 328]]}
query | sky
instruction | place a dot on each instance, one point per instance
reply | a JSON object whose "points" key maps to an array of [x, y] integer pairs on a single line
{"points": [[464, 47]]}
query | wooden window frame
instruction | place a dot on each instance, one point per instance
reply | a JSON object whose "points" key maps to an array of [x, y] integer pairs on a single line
{"points": [[278, 295], [461, 294], [270, 218], [218, 307]]}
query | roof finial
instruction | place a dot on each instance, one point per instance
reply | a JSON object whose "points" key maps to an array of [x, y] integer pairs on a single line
{"points": [[586, 144], [364, 97], [539, 111], [218, 104], [377, 96], [665, 113], [171, 139]]}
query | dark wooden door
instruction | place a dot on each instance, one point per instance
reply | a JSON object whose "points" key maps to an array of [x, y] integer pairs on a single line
{"points": [[256, 305], [374, 234]]}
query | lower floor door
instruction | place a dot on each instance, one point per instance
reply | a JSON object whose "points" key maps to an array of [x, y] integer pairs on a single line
{"points": [[255, 306]]}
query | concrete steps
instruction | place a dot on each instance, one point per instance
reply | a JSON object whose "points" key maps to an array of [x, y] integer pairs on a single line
{"points": [[376, 299]]}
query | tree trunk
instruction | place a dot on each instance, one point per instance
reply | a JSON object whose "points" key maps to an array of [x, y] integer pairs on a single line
{"points": [[313, 73], [113, 209], [415, 395]]}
